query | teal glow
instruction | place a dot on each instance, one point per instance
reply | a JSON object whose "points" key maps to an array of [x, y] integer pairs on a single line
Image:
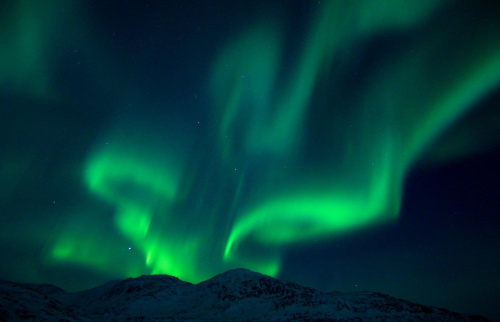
{"points": [[403, 109], [301, 143]]}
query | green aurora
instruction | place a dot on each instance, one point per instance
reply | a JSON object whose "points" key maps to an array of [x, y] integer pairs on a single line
{"points": [[254, 190], [357, 184]]}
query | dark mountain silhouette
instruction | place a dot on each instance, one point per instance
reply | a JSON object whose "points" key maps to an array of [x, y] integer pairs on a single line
{"points": [[238, 294]]}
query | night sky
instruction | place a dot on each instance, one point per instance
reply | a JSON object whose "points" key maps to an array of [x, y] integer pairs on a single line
{"points": [[342, 145]]}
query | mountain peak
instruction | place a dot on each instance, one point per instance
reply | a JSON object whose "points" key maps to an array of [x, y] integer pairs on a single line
{"points": [[238, 274]]}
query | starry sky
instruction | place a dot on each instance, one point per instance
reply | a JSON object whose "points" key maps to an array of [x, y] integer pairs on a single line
{"points": [[341, 145]]}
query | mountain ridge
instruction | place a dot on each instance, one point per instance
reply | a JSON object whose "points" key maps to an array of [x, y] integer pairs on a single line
{"points": [[238, 294]]}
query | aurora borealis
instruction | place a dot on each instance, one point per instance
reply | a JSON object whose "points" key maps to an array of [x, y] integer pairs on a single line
{"points": [[342, 145]]}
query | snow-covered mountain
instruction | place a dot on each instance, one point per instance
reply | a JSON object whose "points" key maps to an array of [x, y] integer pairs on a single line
{"points": [[238, 294]]}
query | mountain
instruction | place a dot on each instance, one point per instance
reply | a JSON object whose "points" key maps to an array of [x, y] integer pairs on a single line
{"points": [[238, 294]]}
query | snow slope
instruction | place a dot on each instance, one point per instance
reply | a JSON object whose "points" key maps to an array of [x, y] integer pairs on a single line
{"points": [[238, 294]]}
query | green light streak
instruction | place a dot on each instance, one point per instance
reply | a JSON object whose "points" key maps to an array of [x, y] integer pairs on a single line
{"points": [[111, 174], [482, 75], [408, 116], [261, 190], [141, 182], [243, 81], [139, 190]]}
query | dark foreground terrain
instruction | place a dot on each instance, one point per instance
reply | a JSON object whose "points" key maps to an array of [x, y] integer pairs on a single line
{"points": [[235, 295]]}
